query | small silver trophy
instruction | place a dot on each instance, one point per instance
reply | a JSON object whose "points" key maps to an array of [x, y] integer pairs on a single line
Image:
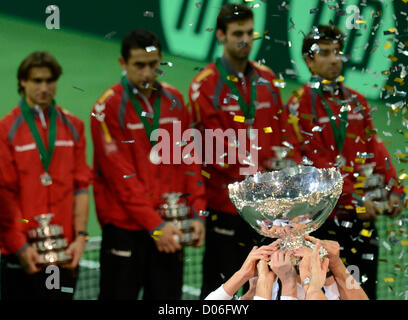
{"points": [[280, 162], [374, 188], [289, 203], [49, 240], [176, 212]]}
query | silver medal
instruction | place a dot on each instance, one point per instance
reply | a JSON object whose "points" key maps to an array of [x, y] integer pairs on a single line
{"points": [[46, 179]]}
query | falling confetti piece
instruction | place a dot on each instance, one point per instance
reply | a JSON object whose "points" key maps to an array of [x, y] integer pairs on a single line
{"points": [[214, 217], [366, 233], [78, 89], [360, 21], [190, 173], [150, 48], [239, 119], [386, 246], [204, 213], [148, 14], [368, 256], [359, 186], [232, 78], [387, 46], [205, 174], [404, 242], [361, 209], [157, 232], [147, 114], [354, 250], [403, 176], [128, 141], [389, 279], [268, 130], [110, 35], [392, 58], [359, 160], [129, 176], [348, 169], [67, 290], [23, 220]]}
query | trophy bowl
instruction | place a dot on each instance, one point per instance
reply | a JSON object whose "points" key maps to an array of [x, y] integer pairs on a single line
{"points": [[289, 203]]}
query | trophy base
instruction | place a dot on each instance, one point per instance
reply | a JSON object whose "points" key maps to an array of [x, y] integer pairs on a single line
{"points": [[294, 243]]}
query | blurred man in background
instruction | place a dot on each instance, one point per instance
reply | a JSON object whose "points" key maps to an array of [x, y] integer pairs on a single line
{"points": [[42, 170], [140, 249]]}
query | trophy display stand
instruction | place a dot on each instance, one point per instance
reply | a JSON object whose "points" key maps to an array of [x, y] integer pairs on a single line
{"points": [[49, 241]]}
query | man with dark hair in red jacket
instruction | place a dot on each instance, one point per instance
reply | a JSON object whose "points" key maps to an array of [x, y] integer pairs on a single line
{"points": [[240, 95], [140, 249], [42, 170], [335, 129]]}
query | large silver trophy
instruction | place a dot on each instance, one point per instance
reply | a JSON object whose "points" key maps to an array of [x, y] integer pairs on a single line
{"points": [[289, 203], [176, 212], [49, 240]]}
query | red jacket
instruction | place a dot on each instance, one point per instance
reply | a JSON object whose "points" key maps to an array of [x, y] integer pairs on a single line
{"points": [[23, 195], [320, 147], [214, 108], [132, 203]]}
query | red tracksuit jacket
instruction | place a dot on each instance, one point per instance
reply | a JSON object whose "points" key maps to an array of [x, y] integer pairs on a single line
{"points": [[23, 195], [214, 109], [320, 146], [132, 203]]}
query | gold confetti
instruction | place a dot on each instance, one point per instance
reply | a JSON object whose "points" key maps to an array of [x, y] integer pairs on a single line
{"points": [[361, 209], [400, 155], [387, 45], [348, 207], [360, 160], [406, 190], [393, 29], [326, 81], [268, 130], [404, 242], [331, 232], [393, 59], [406, 135], [354, 250], [158, 233], [241, 244], [360, 21], [389, 279], [232, 78], [403, 176], [23, 220], [348, 169], [343, 259], [359, 186], [366, 233], [205, 174], [214, 217], [239, 118], [361, 178], [399, 80]]}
